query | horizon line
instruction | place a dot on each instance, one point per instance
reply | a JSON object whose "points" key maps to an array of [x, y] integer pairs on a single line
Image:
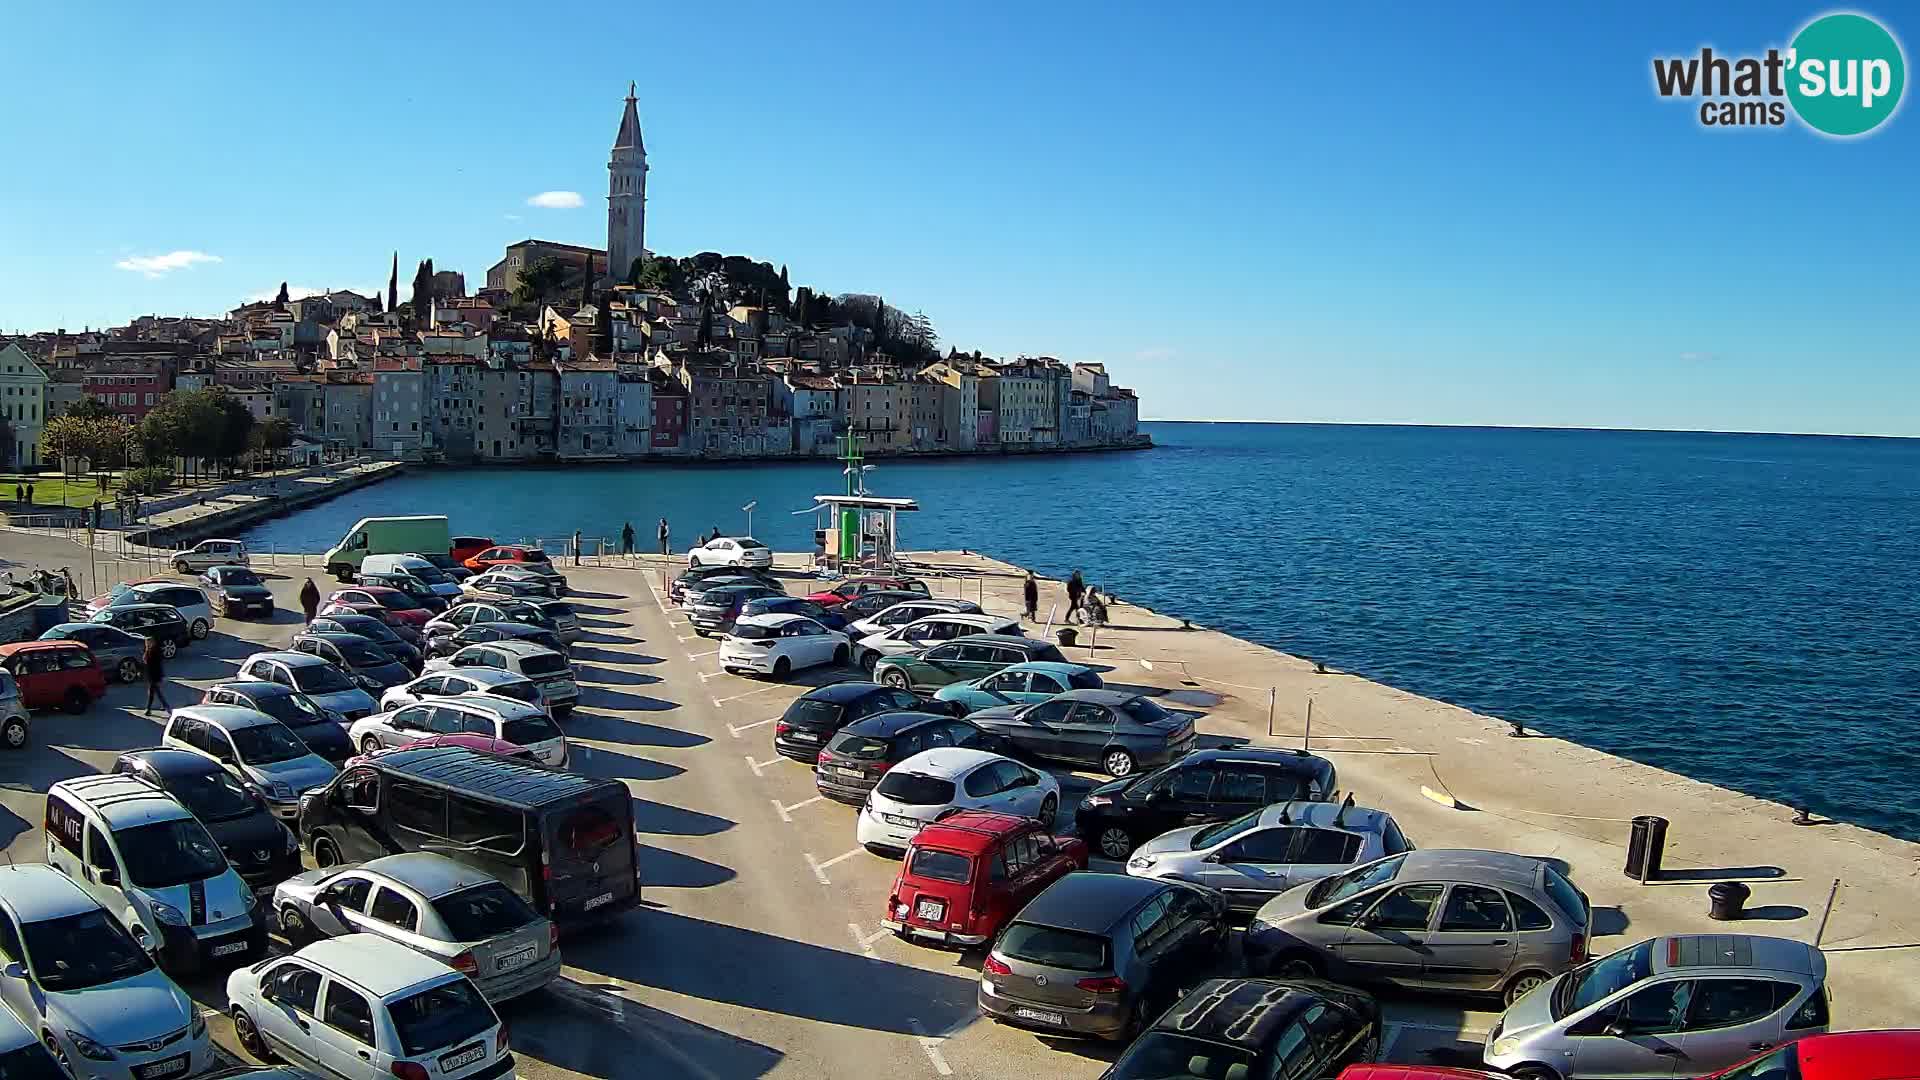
{"points": [[1532, 427]]}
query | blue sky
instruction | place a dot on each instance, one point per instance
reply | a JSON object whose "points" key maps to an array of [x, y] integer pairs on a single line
{"points": [[1397, 214]]}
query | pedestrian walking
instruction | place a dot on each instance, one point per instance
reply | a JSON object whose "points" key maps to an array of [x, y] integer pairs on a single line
{"points": [[96, 513], [1030, 592], [155, 664], [309, 599], [1076, 588], [576, 547], [665, 548], [626, 538], [710, 539]]}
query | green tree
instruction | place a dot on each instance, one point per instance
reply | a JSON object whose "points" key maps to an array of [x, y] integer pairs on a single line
{"points": [[634, 271], [783, 299], [90, 408], [423, 292], [544, 279], [602, 327]]}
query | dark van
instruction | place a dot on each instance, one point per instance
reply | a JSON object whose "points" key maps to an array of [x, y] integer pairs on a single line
{"points": [[563, 841]]}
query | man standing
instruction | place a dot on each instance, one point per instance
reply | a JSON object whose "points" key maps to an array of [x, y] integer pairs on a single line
{"points": [[664, 550], [1030, 592], [626, 538], [1076, 588], [309, 599], [576, 547], [155, 662], [29, 494]]}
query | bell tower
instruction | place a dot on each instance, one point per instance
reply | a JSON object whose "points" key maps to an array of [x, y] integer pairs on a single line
{"points": [[626, 194]]}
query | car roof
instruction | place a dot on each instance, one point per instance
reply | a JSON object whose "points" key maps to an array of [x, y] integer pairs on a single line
{"points": [[971, 832], [1261, 755], [291, 659], [1466, 864], [842, 692], [428, 874], [522, 649], [169, 608], [230, 717], [518, 629], [965, 618], [1326, 815], [36, 891], [1114, 698], [71, 626], [888, 724], [492, 676], [515, 783], [1859, 1055], [1089, 901], [256, 688], [505, 708], [773, 618], [947, 762], [1737, 951], [1239, 1012], [994, 639], [376, 965], [170, 762], [338, 637], [1048, 667], [374, 590], [37, 646], [123, 801]]}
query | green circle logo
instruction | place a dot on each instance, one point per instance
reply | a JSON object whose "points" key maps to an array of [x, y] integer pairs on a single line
{"points": [[1847, 74]]}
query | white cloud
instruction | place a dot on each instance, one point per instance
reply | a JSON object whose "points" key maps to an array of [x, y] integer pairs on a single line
{"points": [[154, 266], [557, 200]]}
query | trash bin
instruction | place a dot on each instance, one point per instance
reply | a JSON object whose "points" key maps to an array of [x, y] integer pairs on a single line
{"points": [[1729, 900], [1067, 635], [1645, 846]]}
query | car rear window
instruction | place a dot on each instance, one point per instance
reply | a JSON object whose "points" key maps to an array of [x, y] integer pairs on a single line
{"points": [[586, 832], [529, 730], [1566, 896], [518, 690], [238, 575], [543, 664], [1144, 711], [1045, 945], [814, 713], [534, 555], [1047, 653], [441, 1017], [915, 789], [751, 632], [859, 747], [483, 911], [937, 865], [748, 542]]}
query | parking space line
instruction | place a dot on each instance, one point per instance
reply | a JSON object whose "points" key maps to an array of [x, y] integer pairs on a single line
{"points": [[932, 1047], [705, 675], [735, 731], [786, 812], [749, 693], [820, 868], [656, 596], [756, 766], [700, 655]]}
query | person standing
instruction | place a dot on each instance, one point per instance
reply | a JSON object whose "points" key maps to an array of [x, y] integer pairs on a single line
{"points": [[155, 663], [626, 538], [576, 547], [309, 599], [29, 494], [96, 513], [1076, 588], [664, 547], [1030, 592], [19, 493]]}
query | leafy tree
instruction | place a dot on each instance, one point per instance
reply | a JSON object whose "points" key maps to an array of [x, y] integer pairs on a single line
{"points": [[545, 278], [634, 270], [90, 408]]}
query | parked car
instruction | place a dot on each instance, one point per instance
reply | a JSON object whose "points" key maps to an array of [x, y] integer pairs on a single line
{"points": [[322, 729], [1506, 924], [1414, 1072], [731, 551], [405, 630], [145, 858], [1261, 854], [256, 844], [475, 633], [494, 585], [811, 720], [323, 684], [255, 748], [420, 592], [467, 680], [417, 567], [118, 651], [380, 1009], [563, 841], [364, 661], [907, 611], [545, 668], [1200, 788], [696, 592], [466, 547], [1687, 1004], [718, 608], [928, 631], [485, 744], [872, 603], [677, 588], [432, 905], [504, 554], [402, 607], [396, 647], [160, 622], [835, 595], [1100, 955], [448, 565], [964, 876], [54, 674], [236, 591], [934, 784], [75, 974], [559, 616], [208, 554], [1021, 684], [1113, 730], [779, 645], [22, 1057], [479, 714], [857, 756], [187, 599], [15, 720], [971, 657], [1848, 1055], [1256, 1027], [469, 612], [782, 604]]}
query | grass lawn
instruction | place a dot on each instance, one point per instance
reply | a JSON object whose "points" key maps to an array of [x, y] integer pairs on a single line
{"points": [[49, 489]]}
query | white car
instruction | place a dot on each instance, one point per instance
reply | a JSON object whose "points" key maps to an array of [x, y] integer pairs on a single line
{"points": [[547, 669], [74, 973], [208, 554], [365, 1008], [928, 632], [479, 714], [907, 611], [189, 600], [255, 748], [934, 783], [732, 551], [780, 644], [468, 680]]}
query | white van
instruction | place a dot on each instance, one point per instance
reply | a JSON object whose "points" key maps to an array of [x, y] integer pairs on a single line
{"points": [[154, 866], [413, 566]]}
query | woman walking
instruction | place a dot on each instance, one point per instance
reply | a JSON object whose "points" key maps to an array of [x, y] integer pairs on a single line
{"points": [[309, 599], [155, 663]]}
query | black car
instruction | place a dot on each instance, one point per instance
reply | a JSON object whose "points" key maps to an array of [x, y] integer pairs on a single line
{"points": [[323, 730], [794, 605], [874, 603], [475, 633], [261, 849], [816, 715], [1114, 730], [160, 622], [1256, 1027], [363, 661], [718, 608], [855, 759], [373, 630], [446, 565], [678, 589], [1205, 786], [237, 591]]}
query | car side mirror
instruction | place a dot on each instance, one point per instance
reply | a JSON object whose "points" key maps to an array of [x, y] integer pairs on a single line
{"points": [[16, 970], [1159, 795], [1615, 1029], [107, 876]]}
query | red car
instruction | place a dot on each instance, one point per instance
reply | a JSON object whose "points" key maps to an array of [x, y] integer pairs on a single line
{"points": [[364, 599], [860, 586], [505, 555], [54, 674], [466, 547], [1845, 1055], [966, 875], [486, 744], [1415, 1072]]}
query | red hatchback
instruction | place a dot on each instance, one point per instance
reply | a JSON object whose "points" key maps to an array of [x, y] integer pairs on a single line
{"points": [[1844, 1055], [54, 674], [860, 586], [965, 876], [1414, 1072], [462, 548], [505, 555], [401, 607]]}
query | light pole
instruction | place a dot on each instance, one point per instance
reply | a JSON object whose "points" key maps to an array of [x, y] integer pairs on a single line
{"points": [[749, 509]]}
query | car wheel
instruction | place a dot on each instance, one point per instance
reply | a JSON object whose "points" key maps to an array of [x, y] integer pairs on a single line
{"points": [[1115, 843], [1118, 763], [169, 647], [1369, 1050], [53, 1047], [895, 678], [200, 629], [76, 700], [325, 854], [14, 733], [782, 668], [870, 661], [294, 926], [1521, 985], [370, 745], [1049, 807], [183, 567], [1534, 1072], [839, 655], [249, 1036], [129, 670], [1297, 965]]}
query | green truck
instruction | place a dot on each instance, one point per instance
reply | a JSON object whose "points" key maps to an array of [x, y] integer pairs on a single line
{"points": [[387, 536]]}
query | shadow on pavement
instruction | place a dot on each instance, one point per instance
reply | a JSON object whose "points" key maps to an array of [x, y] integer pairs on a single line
{"points": [[596, 761], [614, 639], [590, 673], [591, 655], [617, 729], [588, 1030], [660, 819], [599, 697], [663, 869]]}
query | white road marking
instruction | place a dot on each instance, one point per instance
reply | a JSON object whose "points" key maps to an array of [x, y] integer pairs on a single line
{"points": [[756, 766], [932, 1047], [700, 655], [684, 638], [786, 812], [615, 1008], [656, 597], [860, 941], [749, 693], [820, 868], [735, 731]]}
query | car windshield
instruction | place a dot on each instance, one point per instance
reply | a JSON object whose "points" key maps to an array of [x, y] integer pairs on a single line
{"points": [[814, 712], [169, 853], [267, 744], [1145, 711], [748, 542], [1361, 878], [518, 690], [367, 627], [30, 1062], [1589, 985], [859, 747], [441, 1017], [528, 730], [937, 865], [395, 600], [916, 789], [752, 632], [483, 912], [361, 653], [82, 951], [320, 679], [1049, 947], [543, 664], [212, 796], [237, 575], [1226, 830], [429, 574], [1162, 1055]]}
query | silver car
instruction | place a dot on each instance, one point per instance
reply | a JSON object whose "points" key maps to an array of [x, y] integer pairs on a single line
{"points": [[15, 720], [1673, 1006], [1256, 857], [433, 905], [1458, 920]]}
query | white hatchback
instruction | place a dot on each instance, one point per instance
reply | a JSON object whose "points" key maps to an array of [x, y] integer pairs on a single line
{"points": [[935, 783], [732, 551], [474, 714], [907, 611], [927, 632], [780, 644]]}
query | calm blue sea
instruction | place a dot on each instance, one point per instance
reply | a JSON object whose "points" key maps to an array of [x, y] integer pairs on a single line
{"points": [[1739, 608]]}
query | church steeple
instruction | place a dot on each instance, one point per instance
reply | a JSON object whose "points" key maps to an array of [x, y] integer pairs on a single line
{"points": [[629, 136], [626, 194]]}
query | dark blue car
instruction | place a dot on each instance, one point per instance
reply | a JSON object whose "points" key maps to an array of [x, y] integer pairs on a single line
{"points": [[794, 605]]}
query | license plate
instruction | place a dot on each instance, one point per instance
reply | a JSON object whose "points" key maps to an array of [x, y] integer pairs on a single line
{"points": [[930, 910], [903, 822], [515, 959], [801, 736], [598, 901], [230, 948], [852, 774], [1043, 1017], [173, 1066], [462, 1058]]}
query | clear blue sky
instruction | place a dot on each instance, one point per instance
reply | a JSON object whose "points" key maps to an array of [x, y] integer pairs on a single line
{"points": [[1396, 214]]}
